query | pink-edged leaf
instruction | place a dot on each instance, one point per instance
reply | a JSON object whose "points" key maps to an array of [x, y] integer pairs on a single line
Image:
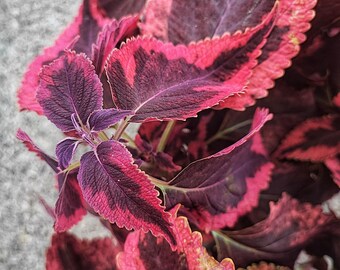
{"points": [[30, 145], [79, 35], [293, 20], [143, 251], [118, 9], [102, 119], [279, 238], [333, 164], [336, 100], [65, 151], [109, 38], [68, 252], [162, 81], [316, 139], [216, 190], [69, 85], [70, 206], [115, 188], [183, 22]]}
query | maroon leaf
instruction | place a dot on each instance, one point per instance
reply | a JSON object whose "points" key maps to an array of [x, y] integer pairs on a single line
{"points": [[109, 38], [288, 229], [118, 9], [69, 85], [265, 266], [102, 119], [79, 35], [316, 139], [68, 252], [116, 189], [161, 81], [216, 190], [143, 251], [65, 151], [333, 165], [70, 207], [22, 136]]}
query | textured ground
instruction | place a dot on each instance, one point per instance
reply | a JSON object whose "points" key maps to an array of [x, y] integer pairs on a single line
{"points": [[26, 26]]}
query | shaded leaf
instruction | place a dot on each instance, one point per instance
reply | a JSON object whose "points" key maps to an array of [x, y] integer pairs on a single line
{"points": [[279, 238], [161, 81], [69, 85], [115, 188], [67, 252], [65, 151], [216, 190], [79, 36], [265, 266], [142, 251], [70, 206], [103, 119], [118, 9], [23, 137], [316, 139], [109, 38]]}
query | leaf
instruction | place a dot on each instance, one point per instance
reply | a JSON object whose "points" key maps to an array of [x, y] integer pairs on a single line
{"points": [[68, 252], [109, 38], [161, 81], [116, 189], [316, 139], [65, 151], [283, 44], [79, 36], [279, 238], [216, 190], [333, 164], [70, 205], [265, 266], [69, 85], [23, 137], [103, 119], [118, 9], [142, 251]]}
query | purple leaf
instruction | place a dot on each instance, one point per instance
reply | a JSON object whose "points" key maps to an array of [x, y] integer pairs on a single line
{"points": [[70, 206], [22, 136], [118, 8], [102, 119], [65, 151], [162, 81], [69, 85], [216, 190], [115, 188]]}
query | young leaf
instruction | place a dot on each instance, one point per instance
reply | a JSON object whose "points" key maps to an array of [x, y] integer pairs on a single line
{"points": [[216, 190], [279, 238], [79, 36], [69, 252], [22, 136], [69, 85], [65, 151], [316, 139], [161, 81], [115, 188], [109, 38], [70, 206], [102, 119], [143, 251]]}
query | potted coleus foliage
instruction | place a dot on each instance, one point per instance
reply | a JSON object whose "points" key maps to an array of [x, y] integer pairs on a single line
{"points": [[214, 178]]}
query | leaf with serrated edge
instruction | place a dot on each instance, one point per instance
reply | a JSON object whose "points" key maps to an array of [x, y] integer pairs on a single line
{"points": [[115, 188], [103, 119], [69, 85], [161, 81], [65, 151]]}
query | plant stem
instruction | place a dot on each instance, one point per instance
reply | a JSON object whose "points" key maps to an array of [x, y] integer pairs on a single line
{"points": [[129, 139], [121, 128], [72, 167], [165, 136], [220, 134], [102, 135], [157, 182]]}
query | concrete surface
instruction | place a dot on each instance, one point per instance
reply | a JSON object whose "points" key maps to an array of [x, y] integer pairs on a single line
{"points": [[27, 26]]}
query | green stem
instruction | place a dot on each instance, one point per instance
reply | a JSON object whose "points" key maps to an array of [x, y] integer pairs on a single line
{"points": [[222, 133], [121, 128], [165, 136], [157, 182], [102, 135], [129, 139], [72, 167]]}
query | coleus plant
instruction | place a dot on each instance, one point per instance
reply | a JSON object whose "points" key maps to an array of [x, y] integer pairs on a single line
{"points": [[206, 183]]}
